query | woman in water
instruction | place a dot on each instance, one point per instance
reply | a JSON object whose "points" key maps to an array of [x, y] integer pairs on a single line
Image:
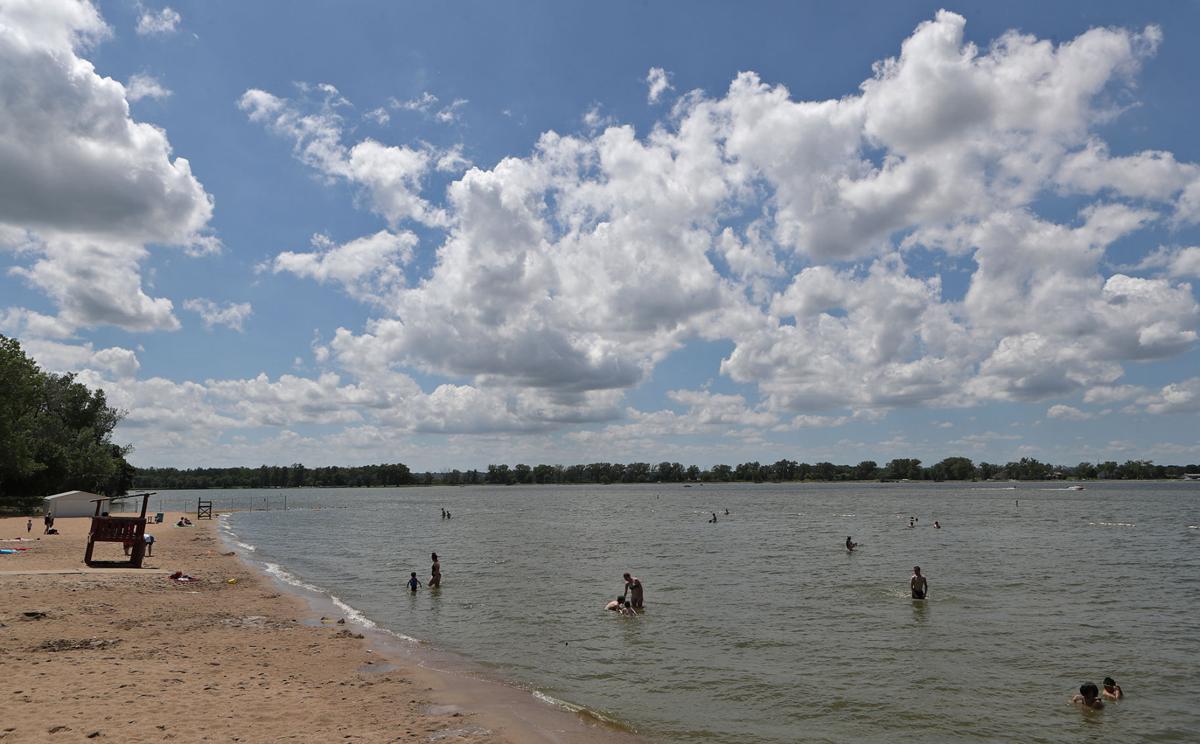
{"points": [[850, 545], [435, 578]]}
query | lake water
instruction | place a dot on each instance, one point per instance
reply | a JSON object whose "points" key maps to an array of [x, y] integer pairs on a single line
{"points": [[762, 627]]}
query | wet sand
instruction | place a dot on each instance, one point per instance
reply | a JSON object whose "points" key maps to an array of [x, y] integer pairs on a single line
{"points": [[130, 655]]}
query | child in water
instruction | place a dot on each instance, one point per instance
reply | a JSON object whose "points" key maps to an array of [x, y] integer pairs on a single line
{"points": [[413, 582], [1111, 691]]}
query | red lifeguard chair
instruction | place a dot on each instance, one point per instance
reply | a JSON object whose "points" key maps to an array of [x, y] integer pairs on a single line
{"points": [[124, 530]]}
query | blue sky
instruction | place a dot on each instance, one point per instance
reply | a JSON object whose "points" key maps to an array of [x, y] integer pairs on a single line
{"points": [[452, 234]]}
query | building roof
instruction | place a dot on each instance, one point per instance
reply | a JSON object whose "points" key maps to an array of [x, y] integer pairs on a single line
{"points": [[71, 495]]}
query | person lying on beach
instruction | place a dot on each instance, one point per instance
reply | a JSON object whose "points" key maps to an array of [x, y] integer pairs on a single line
{"points": [[628, 610], [1111, 691], [1088, 697], [616, 604], [918, 584], [413, 582], [633, 587], [850, 545]]}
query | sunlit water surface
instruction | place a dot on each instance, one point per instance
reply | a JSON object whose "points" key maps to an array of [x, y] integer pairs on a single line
{"points": [[762, 628]]}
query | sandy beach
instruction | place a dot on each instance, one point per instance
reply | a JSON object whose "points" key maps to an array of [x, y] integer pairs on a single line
{"points": [[130, 655]]}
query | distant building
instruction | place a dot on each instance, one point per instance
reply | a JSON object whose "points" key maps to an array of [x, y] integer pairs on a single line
{"points": [[72, 504]]}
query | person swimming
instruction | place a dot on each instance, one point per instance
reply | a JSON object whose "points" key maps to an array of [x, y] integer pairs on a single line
{"points": [[627, 610], [616, 604], [850, 545], [413, 582], [1111, 691], [918, 584], [936, 526], [1088, 697]]}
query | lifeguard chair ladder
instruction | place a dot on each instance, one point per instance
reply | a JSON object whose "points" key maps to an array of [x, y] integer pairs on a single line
{"points": [[125, 530], [203, 509]]}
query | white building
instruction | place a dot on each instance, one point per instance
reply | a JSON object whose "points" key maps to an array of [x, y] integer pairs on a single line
{"points": [[72, 504]]}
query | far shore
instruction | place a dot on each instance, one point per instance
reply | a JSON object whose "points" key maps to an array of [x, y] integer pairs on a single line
{"points": [[130, 655]]}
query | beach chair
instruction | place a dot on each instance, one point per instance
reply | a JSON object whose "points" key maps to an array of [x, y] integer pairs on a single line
{"points": [[158, 517]]}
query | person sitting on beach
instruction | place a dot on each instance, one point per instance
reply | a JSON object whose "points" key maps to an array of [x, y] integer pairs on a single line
{"points": [[1088, 697], [918, 584], [849, 544], [627, 610], [180, 523], [616, 604], [633, 587], [413, 582], [1111, 691]]}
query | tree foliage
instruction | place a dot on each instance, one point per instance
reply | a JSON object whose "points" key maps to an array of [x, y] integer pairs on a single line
{"points": [[55, 434]]}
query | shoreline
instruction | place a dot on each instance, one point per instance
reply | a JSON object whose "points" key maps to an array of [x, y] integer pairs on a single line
{"points": [[130, 655], [504, 703]]}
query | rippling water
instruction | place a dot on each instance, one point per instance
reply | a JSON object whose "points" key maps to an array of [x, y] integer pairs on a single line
{"points": [[762, 628]]}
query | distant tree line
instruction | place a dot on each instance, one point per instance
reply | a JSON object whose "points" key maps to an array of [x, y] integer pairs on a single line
{"points": [[949, 469], [55, 435], [274, 476]]}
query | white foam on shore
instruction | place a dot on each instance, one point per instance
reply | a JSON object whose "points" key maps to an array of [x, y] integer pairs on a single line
{"points": [[233, 536], [576, 709], [353, 614]]}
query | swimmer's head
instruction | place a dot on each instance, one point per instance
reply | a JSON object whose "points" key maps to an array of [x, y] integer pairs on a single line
{"points": [[628, 577], [1110, 682], [1088, 690], [413, 574], [917, 570], [627, 604], [434, 556]]}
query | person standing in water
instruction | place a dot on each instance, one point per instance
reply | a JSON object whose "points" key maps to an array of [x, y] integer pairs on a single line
{"points": [[850, 545], [918, 584], [435, 577], [413, 582], [1088, 697], [633, 587]]}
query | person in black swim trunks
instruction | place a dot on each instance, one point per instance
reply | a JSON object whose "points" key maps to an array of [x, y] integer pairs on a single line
{"points": [[918, 584]]}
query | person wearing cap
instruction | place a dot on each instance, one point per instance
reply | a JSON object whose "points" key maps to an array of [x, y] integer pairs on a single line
{"points": [[1111, 691]]}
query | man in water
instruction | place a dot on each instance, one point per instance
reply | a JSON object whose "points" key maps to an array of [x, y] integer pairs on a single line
{"points": [[1088, 697], [850, 545], [918, 584], [1111, 691], [633, 587]]}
